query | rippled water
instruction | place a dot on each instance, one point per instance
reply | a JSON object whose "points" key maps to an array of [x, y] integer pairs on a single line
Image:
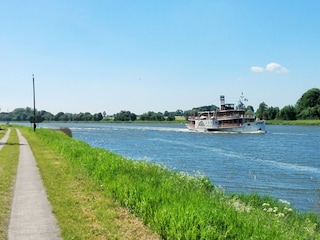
{"points": [[284, 163]]}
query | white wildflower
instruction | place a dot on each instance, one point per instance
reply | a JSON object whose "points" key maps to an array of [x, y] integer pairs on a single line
{"points": [[270, 210]]}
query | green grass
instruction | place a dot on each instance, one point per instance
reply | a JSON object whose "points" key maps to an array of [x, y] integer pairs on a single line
{"points": [[173, 204], [2, 131], [9, 156], [293, 122], [83, 208]]}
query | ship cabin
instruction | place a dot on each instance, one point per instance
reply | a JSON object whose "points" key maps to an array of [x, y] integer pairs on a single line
{"points": [[228, 115]]}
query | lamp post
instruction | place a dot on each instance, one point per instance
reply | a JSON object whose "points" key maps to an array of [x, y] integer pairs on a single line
{"points": [[34, 106]]}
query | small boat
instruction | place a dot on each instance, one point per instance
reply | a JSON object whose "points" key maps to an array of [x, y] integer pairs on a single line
{"points": [[227, 118]]}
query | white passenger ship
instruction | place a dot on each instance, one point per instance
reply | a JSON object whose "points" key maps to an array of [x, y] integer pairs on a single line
{"points": [[226, 119]]}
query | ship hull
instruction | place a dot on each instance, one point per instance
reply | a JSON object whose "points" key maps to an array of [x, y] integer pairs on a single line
{"points": [[251, 127]]}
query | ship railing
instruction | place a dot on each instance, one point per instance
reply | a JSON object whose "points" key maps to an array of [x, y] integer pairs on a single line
{"points": [[229, 125], [236, 116], [192, 118]]}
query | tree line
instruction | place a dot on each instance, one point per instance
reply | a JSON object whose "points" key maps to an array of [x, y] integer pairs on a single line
{"points": [[307, 107], [25, 114]]}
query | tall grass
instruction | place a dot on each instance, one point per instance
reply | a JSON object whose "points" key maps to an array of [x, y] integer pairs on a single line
{"points": [[178, 206], [293, 122], [84, 210], [9, 156]]}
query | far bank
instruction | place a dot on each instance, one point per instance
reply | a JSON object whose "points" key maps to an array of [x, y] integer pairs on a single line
{"points": [[293, 122]]}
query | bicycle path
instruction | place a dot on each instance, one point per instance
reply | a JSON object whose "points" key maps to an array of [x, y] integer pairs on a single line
{"points": [[31, 213]]}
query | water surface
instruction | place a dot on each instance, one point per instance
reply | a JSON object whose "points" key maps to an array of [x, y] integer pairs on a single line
{"points": [[284, 163]]}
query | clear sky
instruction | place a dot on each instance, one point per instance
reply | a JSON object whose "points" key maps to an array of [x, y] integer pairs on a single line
{"points": [[162, 55]]}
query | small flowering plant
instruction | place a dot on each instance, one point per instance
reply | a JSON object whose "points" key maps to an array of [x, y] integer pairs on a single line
{"points": [[276, 211]]}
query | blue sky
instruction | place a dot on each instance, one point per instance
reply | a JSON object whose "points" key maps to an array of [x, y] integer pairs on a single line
{"points": [[95, 56]]}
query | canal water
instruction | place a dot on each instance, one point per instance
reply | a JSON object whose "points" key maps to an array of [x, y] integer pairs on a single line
{"points": [[284, 162]]}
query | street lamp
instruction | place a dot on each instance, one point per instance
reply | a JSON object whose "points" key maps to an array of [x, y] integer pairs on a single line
{"points": [[34, 106]]}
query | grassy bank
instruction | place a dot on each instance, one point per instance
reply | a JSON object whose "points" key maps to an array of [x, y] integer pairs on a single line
{"points": [[9, 156], [83, 208], [293, 122], [173, 204]]}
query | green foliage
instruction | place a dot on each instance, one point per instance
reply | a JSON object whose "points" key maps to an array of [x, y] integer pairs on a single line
{"points": [[308, 106], [46, 115], [261, 112], [206, 108], [249, 109], [152, 116], [272, 113], [189, 113], [25, 114], [171, 118], [125, 116], [18, 114], [294, 122], [287, 113], [37, 119], [196, 110], [179, 206]]}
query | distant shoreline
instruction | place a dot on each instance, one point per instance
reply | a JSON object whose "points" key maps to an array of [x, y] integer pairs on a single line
{"points": [[180, 121], [292, 122]]}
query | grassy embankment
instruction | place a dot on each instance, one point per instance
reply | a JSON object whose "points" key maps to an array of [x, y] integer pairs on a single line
{"points": [[293, 122], [174, 205], [84, 209], [9, 156]]}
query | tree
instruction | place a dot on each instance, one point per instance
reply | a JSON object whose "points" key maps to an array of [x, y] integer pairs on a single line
{"points": [[133, 117], [272, 113], [171, 117], [87, 116], [189, 113], [179, 112], [125, 116], [308, 106], [21, 114], [46, 115], [97, 117], [58, 116], [261, 112], [287, 113], [152, 116], [250, 108]]}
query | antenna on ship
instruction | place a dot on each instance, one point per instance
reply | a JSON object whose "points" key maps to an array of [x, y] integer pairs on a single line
{"points": [[242, 99]]}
